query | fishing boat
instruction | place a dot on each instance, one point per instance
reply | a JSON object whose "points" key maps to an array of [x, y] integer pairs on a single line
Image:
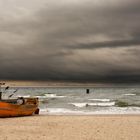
{"points": [[18, 107]]}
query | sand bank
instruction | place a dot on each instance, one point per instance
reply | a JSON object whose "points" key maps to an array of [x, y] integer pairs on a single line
{"points": [[104, 127]]}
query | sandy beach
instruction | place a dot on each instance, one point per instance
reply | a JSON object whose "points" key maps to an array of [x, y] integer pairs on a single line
{"points": [[103, 127]]}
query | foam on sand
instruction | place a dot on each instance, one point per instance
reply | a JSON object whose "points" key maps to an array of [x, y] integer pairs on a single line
{"points": [[110, 110], [59, 111]]}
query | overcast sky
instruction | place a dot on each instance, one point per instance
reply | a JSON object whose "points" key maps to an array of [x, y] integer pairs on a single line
{"points": [[70, 40]]}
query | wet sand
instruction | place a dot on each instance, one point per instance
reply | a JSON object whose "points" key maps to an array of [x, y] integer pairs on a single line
{"points": [[97, 127]]}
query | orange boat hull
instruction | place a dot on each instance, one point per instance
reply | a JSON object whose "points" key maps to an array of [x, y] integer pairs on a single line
{"points": [[29, 107]]}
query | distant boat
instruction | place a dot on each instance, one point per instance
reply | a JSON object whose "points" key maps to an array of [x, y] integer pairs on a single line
{"points": [[18, 107]]}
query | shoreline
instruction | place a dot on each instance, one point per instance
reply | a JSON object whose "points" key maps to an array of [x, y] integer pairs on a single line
{"points": [[98, 115]]}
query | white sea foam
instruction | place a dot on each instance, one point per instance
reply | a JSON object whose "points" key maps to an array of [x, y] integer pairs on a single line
{"points": [[93, 104], [41, 97], [130, 94], [50, 96], [59, 111], [43, 111], [101, 100], [110, 110], [79, 104], [25, 96], [53, 96]]}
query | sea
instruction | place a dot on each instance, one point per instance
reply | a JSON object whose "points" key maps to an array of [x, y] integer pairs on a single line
{"points": [[76, 100]]}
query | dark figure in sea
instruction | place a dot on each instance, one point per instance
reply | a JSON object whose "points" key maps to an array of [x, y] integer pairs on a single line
{"points": [[87, 91]]}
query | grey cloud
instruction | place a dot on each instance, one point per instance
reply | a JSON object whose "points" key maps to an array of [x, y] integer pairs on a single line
{"points": [[52, 41], [108, 44]]}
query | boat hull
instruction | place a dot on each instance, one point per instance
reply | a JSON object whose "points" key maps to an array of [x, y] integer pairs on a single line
{"points": [[29, 107]]}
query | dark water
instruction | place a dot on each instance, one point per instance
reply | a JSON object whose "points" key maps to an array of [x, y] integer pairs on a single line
{"points": [[75, 100]]}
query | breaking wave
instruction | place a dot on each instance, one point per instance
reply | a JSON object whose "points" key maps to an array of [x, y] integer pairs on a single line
{"points": [[93, 104], [130, 94], [100, 100]]}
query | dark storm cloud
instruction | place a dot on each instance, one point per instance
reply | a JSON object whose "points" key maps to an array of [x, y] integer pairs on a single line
{"points": [[74, 40]]}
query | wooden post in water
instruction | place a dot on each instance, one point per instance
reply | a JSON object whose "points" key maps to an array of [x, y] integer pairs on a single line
{"points": [[87, 91]]}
